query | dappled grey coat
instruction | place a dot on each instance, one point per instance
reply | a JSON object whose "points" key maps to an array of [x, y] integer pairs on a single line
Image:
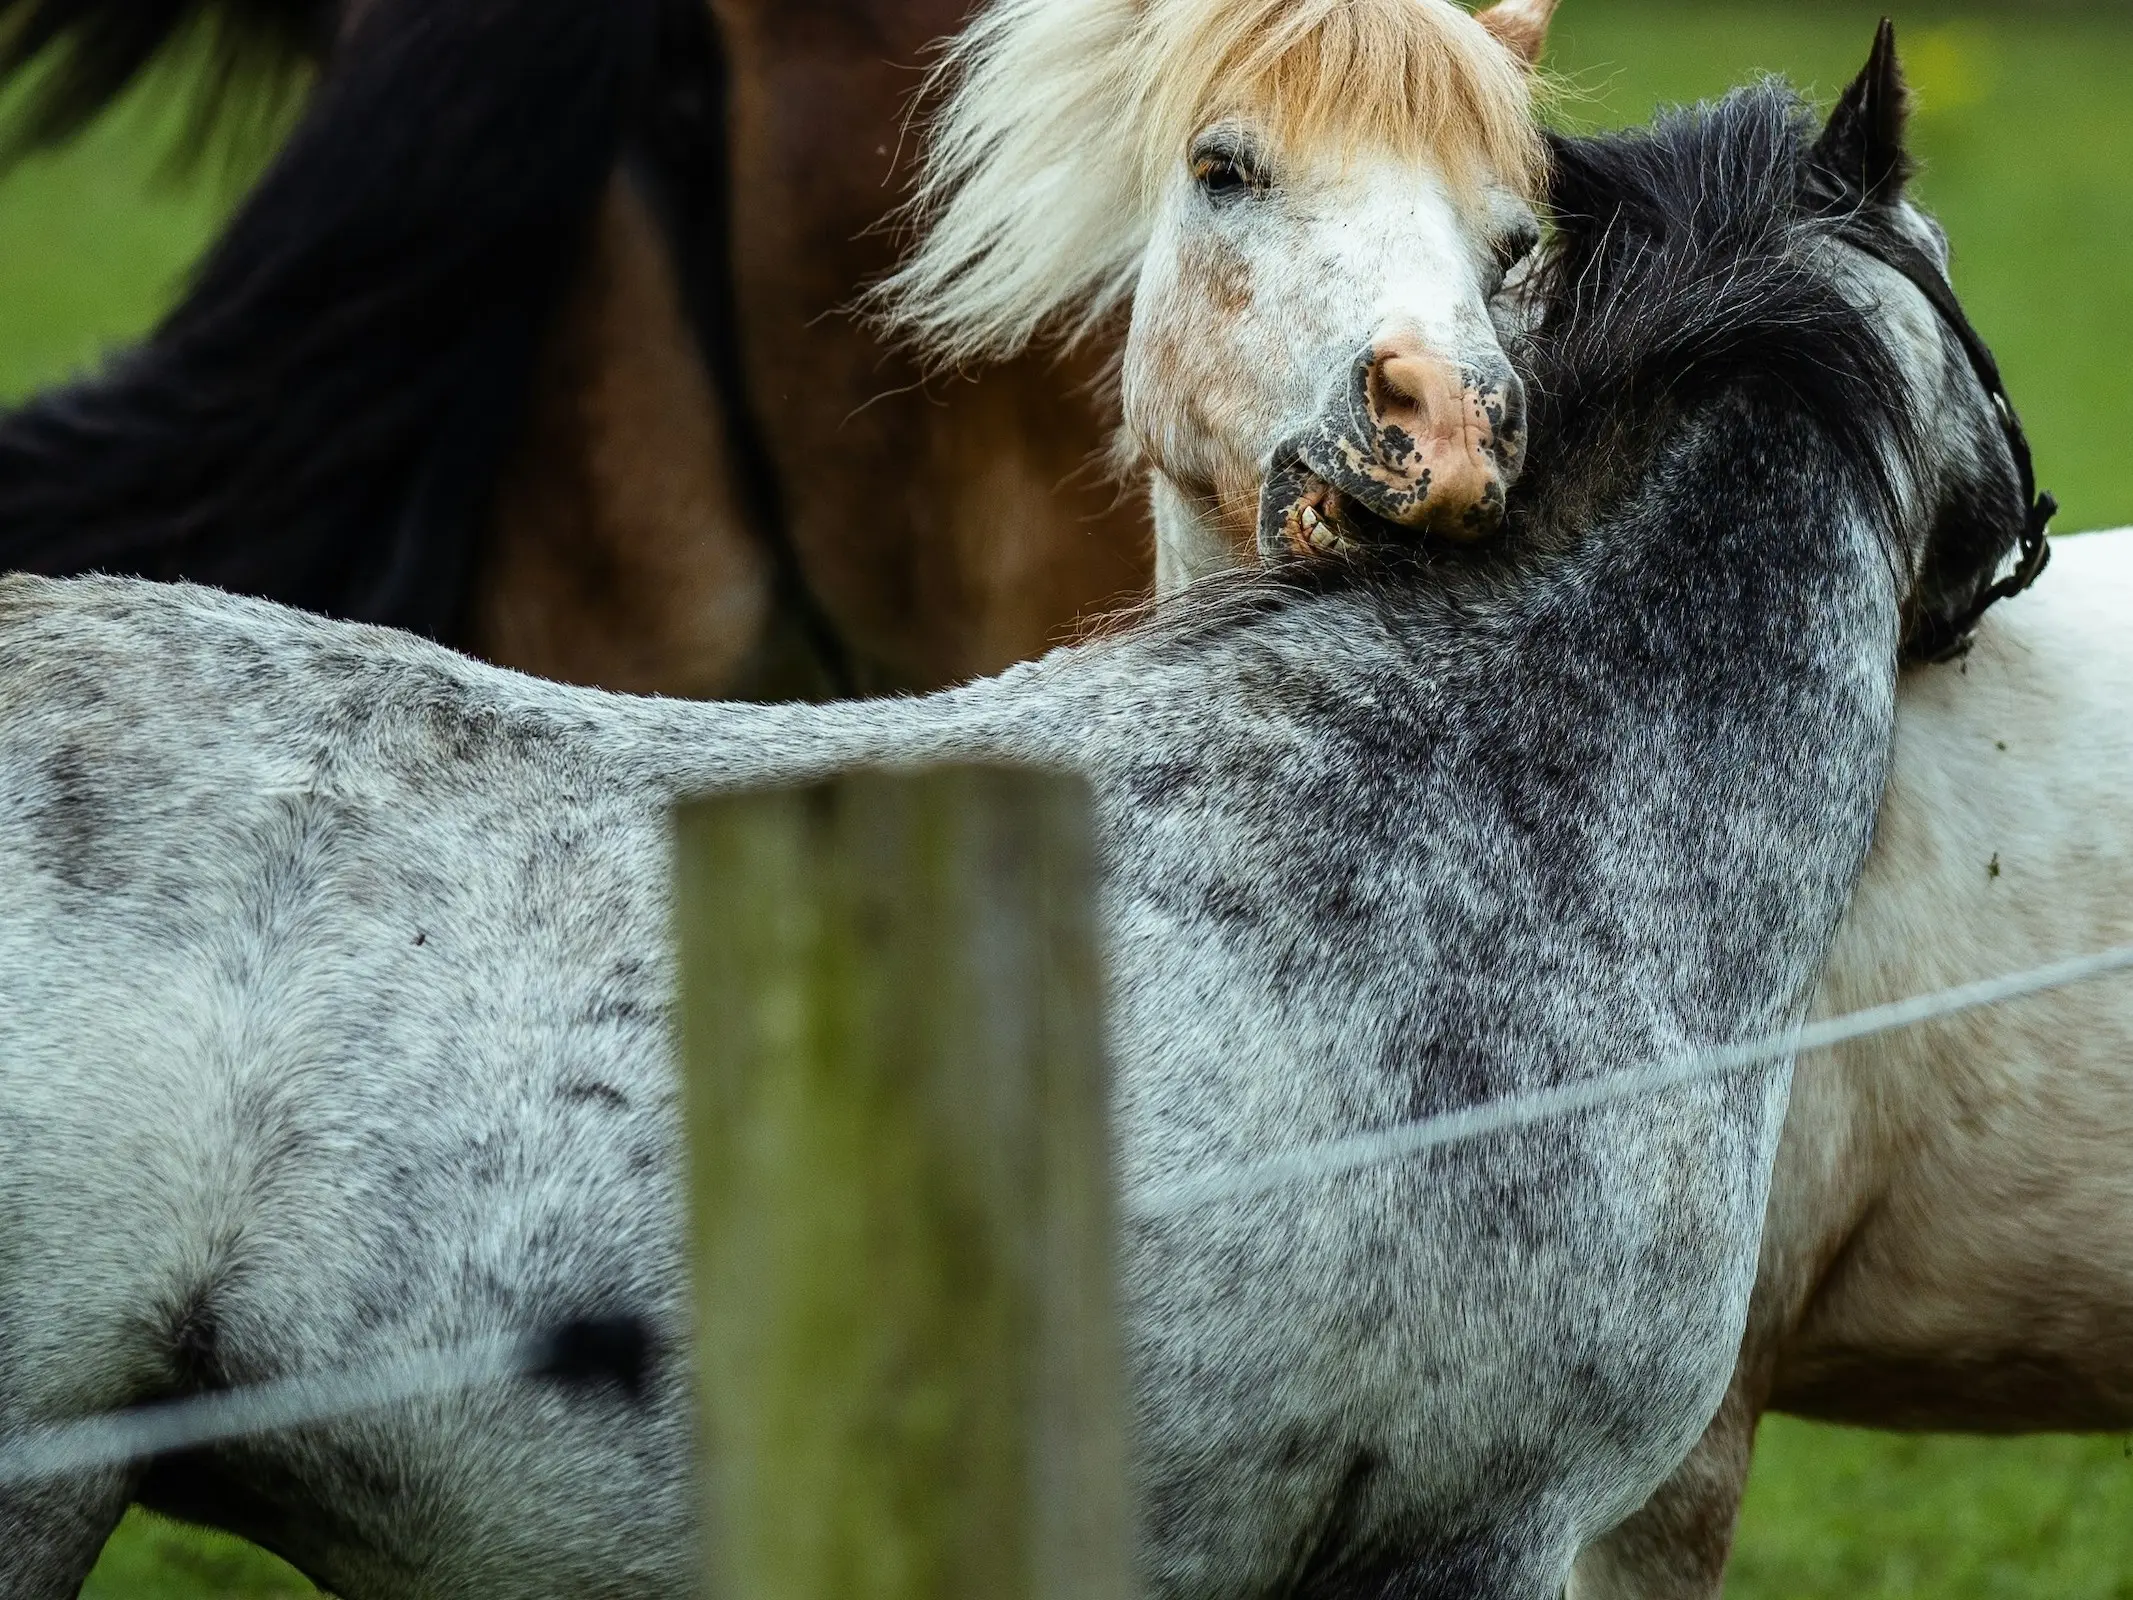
{"points": [[334, 1003]]}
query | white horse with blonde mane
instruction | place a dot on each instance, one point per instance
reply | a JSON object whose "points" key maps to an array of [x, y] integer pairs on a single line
{"points": [[1310, 205], [1946, 1244]]}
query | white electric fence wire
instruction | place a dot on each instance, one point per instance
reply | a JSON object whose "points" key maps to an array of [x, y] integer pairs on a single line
{"points": [[102, 1442], [1382, 1145], [117, 1437]]}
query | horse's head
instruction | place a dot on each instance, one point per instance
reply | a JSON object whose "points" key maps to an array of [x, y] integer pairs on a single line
{"points": [[1313, 307], [1310, 203], [1821, 273]]}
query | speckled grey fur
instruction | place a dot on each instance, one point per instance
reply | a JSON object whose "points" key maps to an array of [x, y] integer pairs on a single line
{"points": [[334, 1001]]}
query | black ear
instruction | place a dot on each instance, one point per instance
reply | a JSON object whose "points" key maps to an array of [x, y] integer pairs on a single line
{"points": [[1862, 148]]}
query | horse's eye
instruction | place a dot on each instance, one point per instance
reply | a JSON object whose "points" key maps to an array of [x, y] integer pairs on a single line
{"points": [[1223, 177], [1514, 246]]}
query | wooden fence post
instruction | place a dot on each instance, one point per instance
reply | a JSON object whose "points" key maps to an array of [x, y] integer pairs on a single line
{"points": [[901, 1192]]}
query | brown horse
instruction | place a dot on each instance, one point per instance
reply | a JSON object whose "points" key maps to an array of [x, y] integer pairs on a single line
{"points": [[936, 530], [536, 337]]}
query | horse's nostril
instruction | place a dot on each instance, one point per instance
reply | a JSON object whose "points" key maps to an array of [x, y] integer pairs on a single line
{"points": [[1420, 440], [1400, 388], [1412, 388]]}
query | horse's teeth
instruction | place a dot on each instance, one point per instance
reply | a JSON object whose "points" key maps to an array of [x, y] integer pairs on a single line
{"points": [[1309, 518], [1324, 538]]}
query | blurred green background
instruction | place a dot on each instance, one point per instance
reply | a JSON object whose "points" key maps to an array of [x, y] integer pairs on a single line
{"points": [[2026, 125]]}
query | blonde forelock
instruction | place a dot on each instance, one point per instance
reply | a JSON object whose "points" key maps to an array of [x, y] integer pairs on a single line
{"points": [[1061, 121], [1419, 78]]}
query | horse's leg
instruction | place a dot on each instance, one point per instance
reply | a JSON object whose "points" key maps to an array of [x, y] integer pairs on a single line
{"points": [[72, 1298], [52, 1533], [1675, 1547], [1828, 1165], [62, 1295]]}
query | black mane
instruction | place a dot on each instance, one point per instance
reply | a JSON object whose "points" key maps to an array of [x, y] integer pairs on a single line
{"points": [[1694, 256], [1689, 259]]}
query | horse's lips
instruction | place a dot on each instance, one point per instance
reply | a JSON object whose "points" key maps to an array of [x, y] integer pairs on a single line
{"points": [[1303, 517]]}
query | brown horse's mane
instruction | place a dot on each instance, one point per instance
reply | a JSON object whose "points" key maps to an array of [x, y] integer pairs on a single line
{"points": [[1060, 120]]}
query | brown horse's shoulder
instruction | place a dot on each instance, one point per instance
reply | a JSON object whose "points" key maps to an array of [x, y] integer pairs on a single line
{"points": [[618, 555]]}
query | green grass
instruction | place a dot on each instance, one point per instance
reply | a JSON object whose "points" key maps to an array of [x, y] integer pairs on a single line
{"points": [[96, 239], [2028, 134], [152, 1558], [1836, 1514]]}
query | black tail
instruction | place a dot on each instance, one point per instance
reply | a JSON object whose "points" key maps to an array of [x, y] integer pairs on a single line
{"points": [[90, 50], [322, 418]]}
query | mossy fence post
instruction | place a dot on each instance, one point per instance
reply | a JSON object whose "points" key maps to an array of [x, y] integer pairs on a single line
{"points": [[907, 1335]]}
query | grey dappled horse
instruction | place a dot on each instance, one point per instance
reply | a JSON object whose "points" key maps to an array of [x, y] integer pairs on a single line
{"points": [[337, 979]]}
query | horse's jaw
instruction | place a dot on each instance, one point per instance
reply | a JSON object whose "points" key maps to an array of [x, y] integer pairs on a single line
{"points": [[1191, 541]]}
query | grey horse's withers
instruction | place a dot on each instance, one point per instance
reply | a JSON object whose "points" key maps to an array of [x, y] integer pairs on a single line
{"points": [[336, 985]]}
